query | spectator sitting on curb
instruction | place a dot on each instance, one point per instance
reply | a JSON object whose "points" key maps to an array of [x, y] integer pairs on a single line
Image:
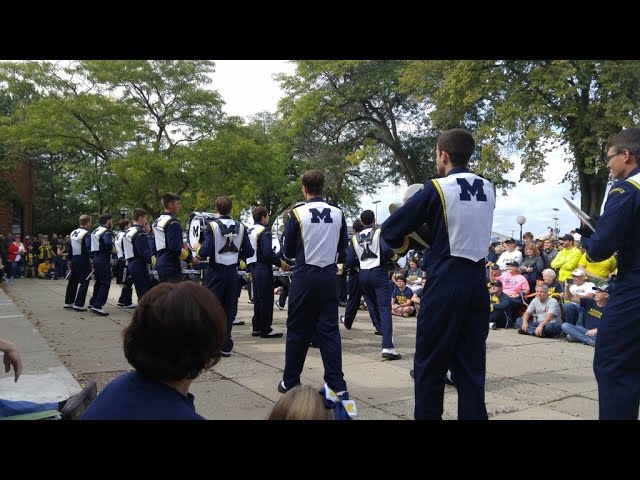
{"points": [[69, 409]]}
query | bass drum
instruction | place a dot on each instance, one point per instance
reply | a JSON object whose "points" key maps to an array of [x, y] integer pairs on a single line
{"points": [[196, 226]]}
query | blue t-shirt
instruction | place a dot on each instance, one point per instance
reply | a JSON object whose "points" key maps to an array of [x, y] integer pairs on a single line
{"points": [[134, 397], [592, 311], [401, 296]]}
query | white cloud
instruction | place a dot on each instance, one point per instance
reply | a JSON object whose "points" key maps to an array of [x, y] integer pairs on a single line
{"points": [[247, 86]]}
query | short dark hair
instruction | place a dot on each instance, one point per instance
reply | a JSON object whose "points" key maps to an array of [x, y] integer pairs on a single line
{"points": [[123, 223], [104, 218], [357, 226], [313, 181], [176, 332], [259, 213], [169, 197], [367, 217], [223, 205], [138, 213], [628, 139], [459, 144]]}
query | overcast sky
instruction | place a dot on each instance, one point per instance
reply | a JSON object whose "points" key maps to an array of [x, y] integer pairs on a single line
{"points": [[248, 87]]}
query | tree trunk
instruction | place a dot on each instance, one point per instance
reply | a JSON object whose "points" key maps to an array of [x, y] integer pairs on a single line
{"points": [[407, 166], [592, 188]]}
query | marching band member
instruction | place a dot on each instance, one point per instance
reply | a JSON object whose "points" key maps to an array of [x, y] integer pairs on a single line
{"points": [[453, 321], [260, 266], [138, 252], [225, 242], [101, 247], [315, 234], [168, 241], [79, 251]]}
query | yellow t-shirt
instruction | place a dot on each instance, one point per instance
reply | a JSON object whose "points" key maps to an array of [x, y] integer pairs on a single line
{"points": [[601, 269], [43, 268]]}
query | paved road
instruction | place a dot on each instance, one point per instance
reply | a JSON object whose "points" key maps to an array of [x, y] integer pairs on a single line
{"points": [[527, 378]]}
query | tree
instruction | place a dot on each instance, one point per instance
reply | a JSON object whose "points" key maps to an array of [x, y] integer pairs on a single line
{"points": [[530, 105], [178, 111], [357, 104]]}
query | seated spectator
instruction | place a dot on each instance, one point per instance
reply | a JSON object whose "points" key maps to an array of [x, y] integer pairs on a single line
{"points": [[546, 315], [417, 295], [515, 286], [46, 270], [176, 332], [576, 286], [414, 274], [593, 313], [494, 273], [69, 409], [500, 307], [549, 278], [401, 304], [303, 402]]}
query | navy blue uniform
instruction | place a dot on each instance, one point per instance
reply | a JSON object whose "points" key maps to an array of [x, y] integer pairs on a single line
{"points": [[453, 321], [138, 255], [374, 280], [225, 248], [170, 250], [354, 292], [79, 248], [101, 247], [315, 234], [122, 273], [260, 266], [617, 357]]}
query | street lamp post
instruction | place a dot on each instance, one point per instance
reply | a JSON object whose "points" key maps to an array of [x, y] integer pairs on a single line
{"points": [[521, 221], [555, 218], [376, 202], [123, 211]]}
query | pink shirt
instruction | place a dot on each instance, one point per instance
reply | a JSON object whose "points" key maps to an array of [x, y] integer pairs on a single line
{"points": [[513, 283]]}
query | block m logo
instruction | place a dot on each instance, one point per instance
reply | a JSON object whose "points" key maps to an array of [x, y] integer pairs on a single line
{"points": [[325, 215], [467, 190]]}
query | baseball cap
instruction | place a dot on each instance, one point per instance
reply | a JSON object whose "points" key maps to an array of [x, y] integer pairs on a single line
{"points": [[578, 273], [495, 267], [497, 283], [605, 287], [568, 236], [509, 240], [513, 264]]}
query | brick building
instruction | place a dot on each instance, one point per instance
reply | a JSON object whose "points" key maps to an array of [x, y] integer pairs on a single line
{"points": [[16, 217]]}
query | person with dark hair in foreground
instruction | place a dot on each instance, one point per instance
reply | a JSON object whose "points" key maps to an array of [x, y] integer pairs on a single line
{"points": [[176, 332]]}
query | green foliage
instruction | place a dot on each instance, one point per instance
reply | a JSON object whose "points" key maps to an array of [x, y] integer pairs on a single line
{"points": [[350, 118], [529, 105]]}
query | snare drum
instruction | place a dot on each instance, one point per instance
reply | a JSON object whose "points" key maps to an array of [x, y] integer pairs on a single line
{"points": [[196, 226]]}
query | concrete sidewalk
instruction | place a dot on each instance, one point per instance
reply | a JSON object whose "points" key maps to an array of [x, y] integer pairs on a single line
{"points": [[527, 377]]}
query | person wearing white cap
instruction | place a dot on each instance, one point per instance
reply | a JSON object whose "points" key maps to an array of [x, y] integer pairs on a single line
{"points": [[593, 313], [576, 286]]}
